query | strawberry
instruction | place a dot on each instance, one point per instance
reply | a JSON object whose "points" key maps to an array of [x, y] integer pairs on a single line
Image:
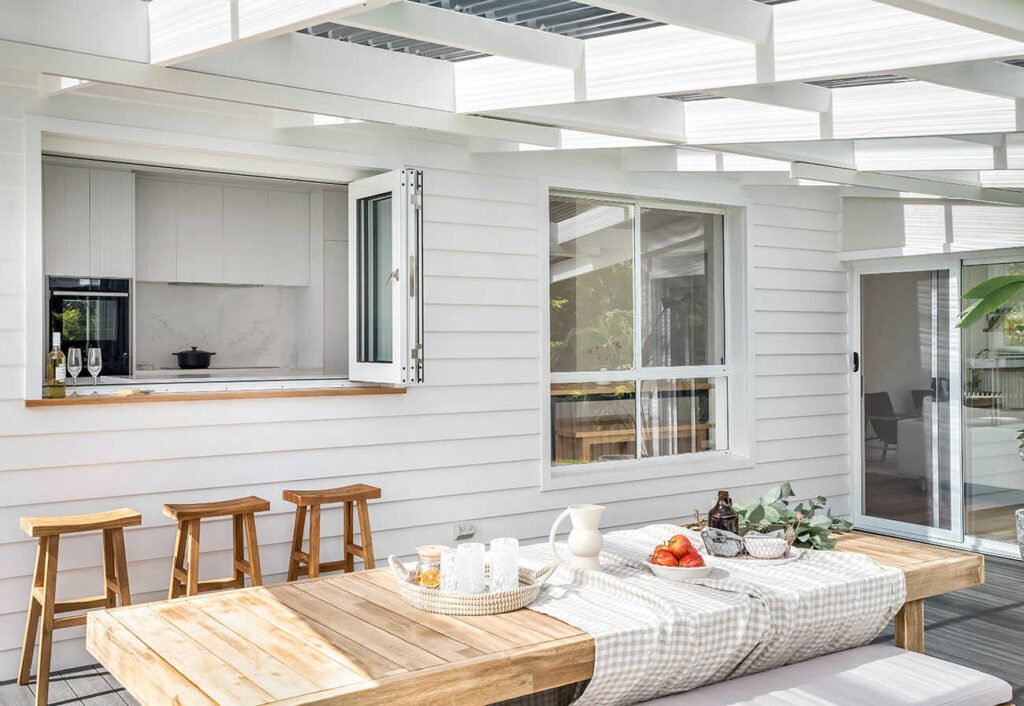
{"points": [[663, 557], [679, 545]]}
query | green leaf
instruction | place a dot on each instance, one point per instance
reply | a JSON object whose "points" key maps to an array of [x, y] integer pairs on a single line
{"points": [[744, 505], [820, 521], [771, 514], [990, 303], [772, 495], [755, 515], [980, 291], [786, 491]]}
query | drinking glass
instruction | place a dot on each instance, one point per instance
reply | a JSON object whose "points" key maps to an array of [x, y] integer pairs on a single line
{"points": [[94, 364], [449, 573], [74, 363], [470, 568], [504, 564]]}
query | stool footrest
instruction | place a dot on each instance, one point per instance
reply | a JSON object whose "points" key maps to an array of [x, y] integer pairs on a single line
{"points": [[355, 549], [303, 569], [71, 604], [217, 584], [69, 621]]}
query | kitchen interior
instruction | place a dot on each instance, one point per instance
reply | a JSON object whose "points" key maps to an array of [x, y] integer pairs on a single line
{"points": [[180, 277]]}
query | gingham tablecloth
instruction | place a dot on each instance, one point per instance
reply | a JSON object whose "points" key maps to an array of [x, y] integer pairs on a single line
{"points": [[655, 637]]}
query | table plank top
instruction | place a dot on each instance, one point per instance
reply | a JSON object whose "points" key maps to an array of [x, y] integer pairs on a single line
{"points": [[349, 638]]}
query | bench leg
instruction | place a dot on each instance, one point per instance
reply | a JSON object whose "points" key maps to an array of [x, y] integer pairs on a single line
{"points": [[178, 561], [910, 626], [32, 624], [314, 541], [46, 638], [254, 549], [300, 528]]}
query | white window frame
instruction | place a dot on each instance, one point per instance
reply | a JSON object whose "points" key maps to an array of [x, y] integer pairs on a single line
{"points": [[737, 282]]}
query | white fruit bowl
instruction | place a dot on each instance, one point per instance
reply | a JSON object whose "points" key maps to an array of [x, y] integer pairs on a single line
{"points": [[679, 573]]}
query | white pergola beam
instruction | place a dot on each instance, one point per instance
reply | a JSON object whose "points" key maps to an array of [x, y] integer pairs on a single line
{"points": [[835, 153], [737, 19], [659, 119], [791, 94], [55, 85], [457, 29], [1004, 18], [990, 77], [103, 69], [187, 29], [896, 182]]}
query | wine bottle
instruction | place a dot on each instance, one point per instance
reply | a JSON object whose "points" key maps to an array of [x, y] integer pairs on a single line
{"points": [[56, 369]]}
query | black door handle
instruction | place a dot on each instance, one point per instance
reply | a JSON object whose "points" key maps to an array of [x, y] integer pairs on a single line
{"points": [[856, 361]]}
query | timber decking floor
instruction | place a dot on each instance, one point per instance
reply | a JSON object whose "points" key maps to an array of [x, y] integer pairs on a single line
{"points": [[980, 627]]}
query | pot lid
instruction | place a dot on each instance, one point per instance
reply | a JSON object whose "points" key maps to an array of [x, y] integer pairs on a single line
{"points": [[194, 350]]}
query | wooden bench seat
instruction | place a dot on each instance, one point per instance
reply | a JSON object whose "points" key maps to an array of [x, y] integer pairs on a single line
{"points": [[49, 526], [183, 512], [357, 491]]}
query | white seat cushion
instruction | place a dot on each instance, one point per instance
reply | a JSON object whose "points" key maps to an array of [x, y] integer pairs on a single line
{"points": [[875, 675]]}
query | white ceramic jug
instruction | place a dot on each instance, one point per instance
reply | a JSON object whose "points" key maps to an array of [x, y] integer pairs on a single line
{"points": [[585, 541]]}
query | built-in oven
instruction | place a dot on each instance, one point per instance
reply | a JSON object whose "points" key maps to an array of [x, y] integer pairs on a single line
{"points": [[93, 313]]}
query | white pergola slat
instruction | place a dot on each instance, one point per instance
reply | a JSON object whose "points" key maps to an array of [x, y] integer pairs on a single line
{"points": [[456, 29], [187, 29], [638, 118], [792, 94], [990, 77], [1004, 18], [746, 20]]}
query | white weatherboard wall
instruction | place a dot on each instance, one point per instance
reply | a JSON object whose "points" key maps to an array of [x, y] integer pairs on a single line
{"points": [[464, 447]]}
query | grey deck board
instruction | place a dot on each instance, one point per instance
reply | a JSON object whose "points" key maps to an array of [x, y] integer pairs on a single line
{"points": [[980, 627]]}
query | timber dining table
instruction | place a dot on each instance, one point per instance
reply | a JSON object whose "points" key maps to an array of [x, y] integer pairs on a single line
{"points": [[350, 639]]}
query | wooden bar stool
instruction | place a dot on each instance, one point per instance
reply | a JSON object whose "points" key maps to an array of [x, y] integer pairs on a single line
{"points": [[44, 584], [185, 575], [309, 562]]}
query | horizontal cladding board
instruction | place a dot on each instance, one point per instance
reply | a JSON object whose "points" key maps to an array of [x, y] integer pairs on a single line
{"points": [[786, 300], [805, 406], [800, 385], [12, 382], [799, 343], [800, 280], [12, 278], [801, 364], [462, 371], [12, 171], [106, 447], [775, 256], [464, 344], [450, 263], [788, 217], [801, 197], [813, 447], [484, 317], [798, 322], [12, 347], [802, 427], [477, 291], [12, 311], [452, 209], [12, 136], [477, 185], [472, 237], [12, 205], [799, 238]]}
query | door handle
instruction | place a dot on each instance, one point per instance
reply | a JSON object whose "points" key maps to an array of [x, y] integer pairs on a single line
{"points": [[856, 361], [393, 275]]}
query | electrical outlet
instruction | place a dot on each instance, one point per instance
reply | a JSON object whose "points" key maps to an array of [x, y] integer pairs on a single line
{"points": [[463, 530]]}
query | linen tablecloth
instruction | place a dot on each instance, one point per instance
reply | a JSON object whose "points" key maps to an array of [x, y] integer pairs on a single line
{"points": [[655, 637]]}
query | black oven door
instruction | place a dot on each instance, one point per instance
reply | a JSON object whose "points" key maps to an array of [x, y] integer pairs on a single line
{"points": [[93, 313]]}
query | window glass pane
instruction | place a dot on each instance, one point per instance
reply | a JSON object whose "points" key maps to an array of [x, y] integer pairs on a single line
{"points": [[681, 290], [681, 416], [375, 280], [591, 256], [593, 421]]}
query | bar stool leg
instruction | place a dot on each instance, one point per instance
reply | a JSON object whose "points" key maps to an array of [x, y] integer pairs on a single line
{"points": [[364, 534], [109, 570], [300, 529], [178, 562], [237, 543], [124, 592], [254, 550], [314, 541], [34, 608], [46, 638], [349, 537], [192, 574]]}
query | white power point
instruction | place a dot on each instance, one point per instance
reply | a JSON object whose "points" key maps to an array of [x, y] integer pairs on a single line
{"points": [[463, 530]]}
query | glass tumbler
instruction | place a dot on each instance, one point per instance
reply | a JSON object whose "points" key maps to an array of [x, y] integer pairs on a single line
{"points": [[504, 564], [449, 576], [470, 568]]}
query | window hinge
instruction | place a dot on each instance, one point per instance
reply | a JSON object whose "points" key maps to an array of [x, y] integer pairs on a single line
{"points": [[416, 351], [416, 198]]}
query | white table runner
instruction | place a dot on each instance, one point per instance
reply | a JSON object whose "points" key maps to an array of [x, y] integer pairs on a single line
{"points": [[655, 637]]}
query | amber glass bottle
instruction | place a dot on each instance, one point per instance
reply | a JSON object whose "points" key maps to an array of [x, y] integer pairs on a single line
{"points": [[722, 516]]}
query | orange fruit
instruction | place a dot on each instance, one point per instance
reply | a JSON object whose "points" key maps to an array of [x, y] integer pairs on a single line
{"points": [[430, 577]]}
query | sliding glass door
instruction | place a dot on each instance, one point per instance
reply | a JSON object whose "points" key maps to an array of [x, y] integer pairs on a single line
{"points": [[906, 402]]}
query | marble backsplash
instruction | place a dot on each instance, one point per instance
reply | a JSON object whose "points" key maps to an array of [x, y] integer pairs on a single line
{"points": [[245, 326]]}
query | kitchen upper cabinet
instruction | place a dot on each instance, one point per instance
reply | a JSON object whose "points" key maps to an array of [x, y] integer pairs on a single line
{"points": [[88, 221], [199, 230], [288, 221], [155, 241], [245, 235], [111, 223], [66, 220]]}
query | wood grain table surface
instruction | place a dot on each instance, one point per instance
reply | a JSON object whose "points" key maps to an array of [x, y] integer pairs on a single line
{"points": [[350, 639]]}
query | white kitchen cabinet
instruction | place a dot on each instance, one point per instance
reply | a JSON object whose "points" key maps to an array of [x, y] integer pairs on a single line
{"points": [[111, 223], [199, 231], [246, 246], [66, 220], [288, 225], [155, 241]]}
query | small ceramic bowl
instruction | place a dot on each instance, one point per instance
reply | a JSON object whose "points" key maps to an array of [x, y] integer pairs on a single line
{"points": [[679, 573], [766, 547]]}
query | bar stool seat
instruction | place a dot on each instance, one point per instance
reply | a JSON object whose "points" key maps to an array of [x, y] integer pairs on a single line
{"points": [[42, 601], [308, 502], [185, 573]]}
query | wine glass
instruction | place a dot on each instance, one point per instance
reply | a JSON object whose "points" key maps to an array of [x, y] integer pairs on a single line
{"points": [[94, 364], [74, 363]]}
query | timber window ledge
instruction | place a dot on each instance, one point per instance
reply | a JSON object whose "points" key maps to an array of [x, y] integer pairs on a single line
{"points": [[141, 397]]}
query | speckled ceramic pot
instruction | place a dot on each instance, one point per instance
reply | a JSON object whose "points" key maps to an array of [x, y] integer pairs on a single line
{"points": [[1020, 531]]}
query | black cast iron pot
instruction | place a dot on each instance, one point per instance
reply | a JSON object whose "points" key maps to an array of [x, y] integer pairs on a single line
{"points": [[194, 358]]}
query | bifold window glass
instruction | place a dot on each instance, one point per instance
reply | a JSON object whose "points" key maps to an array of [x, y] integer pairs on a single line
{"points": [[637, 330], [375, 280]]}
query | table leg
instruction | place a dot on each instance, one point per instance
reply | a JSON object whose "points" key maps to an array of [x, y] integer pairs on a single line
{"points": [[910, 626]]}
